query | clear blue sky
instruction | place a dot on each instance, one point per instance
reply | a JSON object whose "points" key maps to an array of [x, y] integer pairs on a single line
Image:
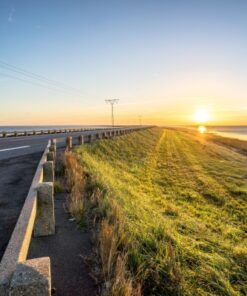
{"points": [[162, 59]]}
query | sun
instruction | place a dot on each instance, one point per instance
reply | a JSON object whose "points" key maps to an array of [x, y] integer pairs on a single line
{"points": [[201, 115]]}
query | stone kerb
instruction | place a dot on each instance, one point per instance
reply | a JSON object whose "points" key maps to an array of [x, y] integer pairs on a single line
{"points": [[48, 171], [81, 140], [69, 143], [32, 277], [37, 215], [45, 216]]}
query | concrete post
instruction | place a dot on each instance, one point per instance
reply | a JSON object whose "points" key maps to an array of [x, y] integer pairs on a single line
{"points": [[50, 156], [81, 140], [94, 137], [48, 171], [32, 277], [53, 149], [69, 143], [54, 142], [45, 217]]}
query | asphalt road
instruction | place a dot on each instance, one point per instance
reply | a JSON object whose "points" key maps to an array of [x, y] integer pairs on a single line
{"points": [[16, 175], [19, 158], [23, 145]]}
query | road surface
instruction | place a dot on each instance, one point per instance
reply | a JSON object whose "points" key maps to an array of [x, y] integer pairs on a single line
{"points": [[23, 145], [19, 157]]}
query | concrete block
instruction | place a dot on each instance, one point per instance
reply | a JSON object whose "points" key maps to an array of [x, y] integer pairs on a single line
{"points": [[50, 156], [45, 216], [53, 149], [69, 143], [48, 171], [53, 142], [81, 140], [32, 278]]}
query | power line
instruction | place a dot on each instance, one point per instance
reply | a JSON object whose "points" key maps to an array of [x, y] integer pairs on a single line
{"points": [[112, 102], [31, 82], [46, 81], [32, 75]]}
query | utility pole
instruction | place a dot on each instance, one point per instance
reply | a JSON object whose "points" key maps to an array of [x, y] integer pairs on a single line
{"points": [[112, 102], [140, 119]]}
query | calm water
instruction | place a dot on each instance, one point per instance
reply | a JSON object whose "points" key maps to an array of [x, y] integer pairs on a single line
{"points": [[236, 132], [43, 127]]}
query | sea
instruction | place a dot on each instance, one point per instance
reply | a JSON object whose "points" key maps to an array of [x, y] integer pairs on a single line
{"points": [[230, 131], [236, 132]]}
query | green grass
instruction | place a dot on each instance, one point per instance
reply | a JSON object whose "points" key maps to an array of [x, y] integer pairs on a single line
{"points": [[183, 199]]}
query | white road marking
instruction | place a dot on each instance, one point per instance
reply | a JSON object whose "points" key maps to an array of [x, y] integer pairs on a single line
{"points": [[14, 148]]}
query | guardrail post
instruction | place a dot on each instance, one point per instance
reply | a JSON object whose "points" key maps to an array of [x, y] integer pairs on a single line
{"points": [[81, 140], [69, 143], [53, 142], [45, 217], [53, 147], [50, 156], [32, 277], [48, 171], [93, 138]]}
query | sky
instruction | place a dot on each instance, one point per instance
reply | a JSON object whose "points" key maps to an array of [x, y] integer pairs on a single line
{"points": [[163, 60]]}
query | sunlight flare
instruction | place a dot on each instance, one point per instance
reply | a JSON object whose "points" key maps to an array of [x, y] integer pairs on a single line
{"points": [[202, 129], [201, 115]]}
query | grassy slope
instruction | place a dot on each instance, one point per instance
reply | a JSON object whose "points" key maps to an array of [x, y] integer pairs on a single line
{"points": [[184, 200]]}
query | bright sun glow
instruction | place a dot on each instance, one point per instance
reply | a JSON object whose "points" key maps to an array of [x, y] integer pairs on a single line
{"points": [[201, 116], [202, 129]]}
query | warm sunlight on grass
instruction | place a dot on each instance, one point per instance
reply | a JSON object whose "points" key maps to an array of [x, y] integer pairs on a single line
{"points": [[184, 209]]}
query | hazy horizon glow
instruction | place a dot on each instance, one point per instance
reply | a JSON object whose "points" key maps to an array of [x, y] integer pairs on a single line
{"points": [[162, 59]]}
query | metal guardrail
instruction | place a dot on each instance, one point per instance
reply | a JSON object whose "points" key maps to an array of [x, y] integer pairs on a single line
{"points": [[5, 134], [32, 220]]}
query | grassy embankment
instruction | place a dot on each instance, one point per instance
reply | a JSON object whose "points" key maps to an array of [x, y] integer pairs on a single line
{"points": [[173, 213]]}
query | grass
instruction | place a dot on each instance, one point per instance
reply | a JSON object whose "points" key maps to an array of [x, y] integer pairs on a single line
{"points": [[172, 212], [75, 181]]}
